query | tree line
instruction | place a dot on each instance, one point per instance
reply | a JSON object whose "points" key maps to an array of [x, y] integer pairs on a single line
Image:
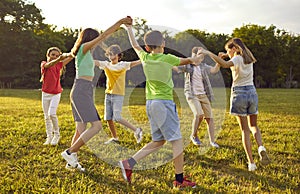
{"points": [[25, 38]]}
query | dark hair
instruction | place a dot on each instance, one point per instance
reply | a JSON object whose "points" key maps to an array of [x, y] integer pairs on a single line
{"points": [[241, 50], [84, 36], [114, 49], [153, 39]]}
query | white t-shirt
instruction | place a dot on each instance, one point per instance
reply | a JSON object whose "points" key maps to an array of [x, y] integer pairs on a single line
{"points": [[198, 87], [242, 74]]}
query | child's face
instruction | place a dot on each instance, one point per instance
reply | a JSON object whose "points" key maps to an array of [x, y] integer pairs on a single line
{"points": [[53, 55], [112, 57], [230, 52]]}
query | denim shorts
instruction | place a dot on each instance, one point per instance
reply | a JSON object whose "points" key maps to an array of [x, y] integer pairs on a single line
{"points": [[243, 101], [113, 107], [163, 119]]}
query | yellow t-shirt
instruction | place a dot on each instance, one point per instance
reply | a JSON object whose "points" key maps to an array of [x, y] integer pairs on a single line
{"points": [[115, 76]]}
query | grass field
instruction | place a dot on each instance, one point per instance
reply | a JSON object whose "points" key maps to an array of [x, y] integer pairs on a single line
{"points": [[27, 166]]}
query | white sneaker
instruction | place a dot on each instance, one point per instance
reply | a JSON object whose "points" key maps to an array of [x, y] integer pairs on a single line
{"points": [[252, 167], [138, 134], [48, 141], [214, 144], [115, 140], [79, 167], [55, 140], [70, 158], [264, 159]]}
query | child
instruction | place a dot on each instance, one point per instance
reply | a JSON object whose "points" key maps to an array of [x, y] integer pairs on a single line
{"points": [[51, 91], [161, 109], [115, 72], [244, 99], [199, 94], [83, 107]]}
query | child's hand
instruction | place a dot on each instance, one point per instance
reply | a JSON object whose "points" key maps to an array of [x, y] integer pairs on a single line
{"points": [[127, 21], [201, 50], [222, 55], [65, 55]]}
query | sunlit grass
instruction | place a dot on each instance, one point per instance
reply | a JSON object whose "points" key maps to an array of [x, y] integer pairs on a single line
{"points": [[29, 167]]}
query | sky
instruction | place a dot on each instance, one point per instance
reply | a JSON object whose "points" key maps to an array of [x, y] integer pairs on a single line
{"points": [[212, 16]]}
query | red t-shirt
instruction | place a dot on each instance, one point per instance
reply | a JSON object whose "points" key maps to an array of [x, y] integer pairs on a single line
{"points": [[51, 81]]}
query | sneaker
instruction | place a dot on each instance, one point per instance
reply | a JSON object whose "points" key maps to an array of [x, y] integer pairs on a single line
{"points": [[138, 134], [48, 141], [195, 140], [79, 167], [126, 170], [214, 144], [252, 167], [55, 140], [111, 140], [264, 159], [184, 184], [70, 158]]}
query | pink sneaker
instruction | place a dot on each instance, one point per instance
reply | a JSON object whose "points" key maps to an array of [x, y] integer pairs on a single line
{"points": [[126, 170], [184, 184]]}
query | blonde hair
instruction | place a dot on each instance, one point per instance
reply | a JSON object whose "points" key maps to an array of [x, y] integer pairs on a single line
{"points": [[242, 50]]}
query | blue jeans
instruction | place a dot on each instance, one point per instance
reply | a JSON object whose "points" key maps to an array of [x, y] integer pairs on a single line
{"points": [[243, 101]]}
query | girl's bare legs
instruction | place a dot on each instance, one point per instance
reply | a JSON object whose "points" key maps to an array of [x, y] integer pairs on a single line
{"points": [[243, 122], [127, 124], [252, 120], [84, 137]]}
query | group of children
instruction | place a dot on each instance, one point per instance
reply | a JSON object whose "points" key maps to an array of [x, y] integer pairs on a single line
{"points": [[160, 107]]}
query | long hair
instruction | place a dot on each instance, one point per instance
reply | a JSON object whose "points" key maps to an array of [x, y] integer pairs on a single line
{"points": [[242, 50], [84, 36]]}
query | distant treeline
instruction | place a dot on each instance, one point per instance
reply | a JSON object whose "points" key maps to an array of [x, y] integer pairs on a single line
{"points": [[25, 38]]}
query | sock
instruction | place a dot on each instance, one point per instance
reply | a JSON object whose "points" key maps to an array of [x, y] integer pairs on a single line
{"points": [[179, 177], [131, 162]]}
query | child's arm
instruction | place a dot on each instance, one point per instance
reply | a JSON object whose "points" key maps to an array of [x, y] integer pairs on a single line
{"points": [[89, 45], [215, 69], [192, 60], [219, 60], [135, 63], [135, 45], [65, 58]]}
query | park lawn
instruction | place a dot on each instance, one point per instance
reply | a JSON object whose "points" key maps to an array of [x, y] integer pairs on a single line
{"points": [[27, 166]]}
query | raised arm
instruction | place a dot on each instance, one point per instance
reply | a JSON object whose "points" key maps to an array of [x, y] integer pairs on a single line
{"points": [[65, 58], [192, 60], [215, 69], [135, 45], [217, 59], [89, 45]]}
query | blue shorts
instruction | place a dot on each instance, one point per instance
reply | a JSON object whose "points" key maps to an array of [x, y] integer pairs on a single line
{"points": [[243, 101], [113, 107], [163, 119]]}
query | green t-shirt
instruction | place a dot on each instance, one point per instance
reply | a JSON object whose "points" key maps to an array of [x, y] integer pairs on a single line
{"points": [[158, 72], [84, 63]]}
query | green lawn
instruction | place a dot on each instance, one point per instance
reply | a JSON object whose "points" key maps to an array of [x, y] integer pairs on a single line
{"points": [[27, 166]]}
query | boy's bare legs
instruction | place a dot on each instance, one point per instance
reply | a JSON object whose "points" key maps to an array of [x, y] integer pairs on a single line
{"points": [[112, 128], [211, 129], [127, 124], [177, 147], [196, 124], [148, 149]]}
